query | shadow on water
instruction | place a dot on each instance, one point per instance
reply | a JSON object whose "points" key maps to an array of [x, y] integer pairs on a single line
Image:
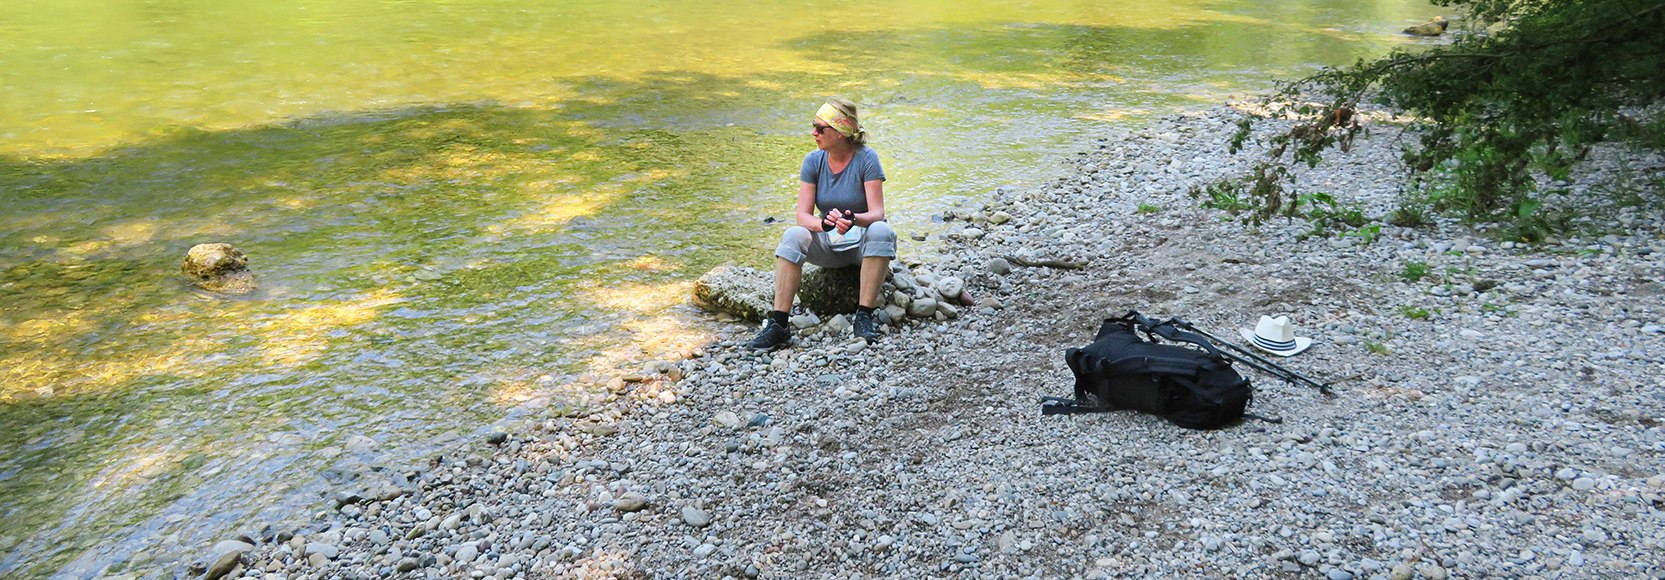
{"points": [[1234, 54], [421, 268]]}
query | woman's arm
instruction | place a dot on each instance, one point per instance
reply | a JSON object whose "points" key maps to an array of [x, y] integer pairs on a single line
{"points": [[875, 190], [806, 208]]}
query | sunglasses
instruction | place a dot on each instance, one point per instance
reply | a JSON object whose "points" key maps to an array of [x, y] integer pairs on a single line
{"points": [[819, 128]]}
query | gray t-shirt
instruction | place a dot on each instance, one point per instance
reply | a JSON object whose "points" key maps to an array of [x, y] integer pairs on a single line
{"points": [[843, 190]]}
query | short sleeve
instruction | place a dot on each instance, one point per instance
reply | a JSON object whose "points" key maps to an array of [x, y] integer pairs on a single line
{"points": [[871, 170], [812, 167]]}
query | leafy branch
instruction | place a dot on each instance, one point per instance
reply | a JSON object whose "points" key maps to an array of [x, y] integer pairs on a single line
{"points": [[1553, 79]]}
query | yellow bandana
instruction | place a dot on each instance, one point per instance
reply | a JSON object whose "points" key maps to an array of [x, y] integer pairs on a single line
{"points": [[837, 120]]}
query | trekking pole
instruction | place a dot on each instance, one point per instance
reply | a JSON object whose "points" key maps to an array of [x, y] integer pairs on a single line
{"points": [[1178, 330], [1253, 360]]}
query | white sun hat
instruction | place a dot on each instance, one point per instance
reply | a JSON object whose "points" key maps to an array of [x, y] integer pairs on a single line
{"points": [[1276, 336]]}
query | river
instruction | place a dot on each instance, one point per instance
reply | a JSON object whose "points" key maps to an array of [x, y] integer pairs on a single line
{"points": [[458, 209]]}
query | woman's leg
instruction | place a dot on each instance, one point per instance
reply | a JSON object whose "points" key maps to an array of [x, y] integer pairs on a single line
{"points": [[795, 247], [873, 271], [877, 250], [787, 278], [789, 273]]}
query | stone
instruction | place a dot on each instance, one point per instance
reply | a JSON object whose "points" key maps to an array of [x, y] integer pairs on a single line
{"points": [[726, 419], [998, 266], [326, 550], [922, 308], [745, 293], [805, 320], [223, 565], [630, 502], [1309, 558], [467, 553], [218, 267], [695, 517], [237, 546], [948, 310], [949, 287], [902, 300]]}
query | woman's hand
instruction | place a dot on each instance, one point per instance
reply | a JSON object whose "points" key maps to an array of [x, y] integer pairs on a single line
{"points": [[841, 220]]}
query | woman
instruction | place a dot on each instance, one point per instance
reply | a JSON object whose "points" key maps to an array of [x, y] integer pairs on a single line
{"points": [[841, 222]]}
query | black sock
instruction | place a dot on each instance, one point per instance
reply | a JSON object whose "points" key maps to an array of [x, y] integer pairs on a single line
{"points": [[778, 317], [866, 309]]}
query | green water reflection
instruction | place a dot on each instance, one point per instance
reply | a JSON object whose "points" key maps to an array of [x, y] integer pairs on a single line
{"points": [[447, 201]]}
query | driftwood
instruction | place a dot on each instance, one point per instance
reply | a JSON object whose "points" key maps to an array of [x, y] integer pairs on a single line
{"points": [[1045, 263]]}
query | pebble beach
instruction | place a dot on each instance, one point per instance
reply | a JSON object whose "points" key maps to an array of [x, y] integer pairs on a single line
{"points": [[1497, 409]]}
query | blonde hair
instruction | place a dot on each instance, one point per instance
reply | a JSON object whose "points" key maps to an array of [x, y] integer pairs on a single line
{"points": [[848, 109]]}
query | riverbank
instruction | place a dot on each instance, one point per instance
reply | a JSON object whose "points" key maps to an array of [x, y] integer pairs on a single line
{"points": [[1496, 414]]}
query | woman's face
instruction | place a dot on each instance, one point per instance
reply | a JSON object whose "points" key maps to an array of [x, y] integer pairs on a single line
{"points": [[825, 136]]}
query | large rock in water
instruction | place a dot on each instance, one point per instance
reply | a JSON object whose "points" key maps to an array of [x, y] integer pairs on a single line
{"points": [[830, 291], [218, 268], [1434, 27], [743, 292]]}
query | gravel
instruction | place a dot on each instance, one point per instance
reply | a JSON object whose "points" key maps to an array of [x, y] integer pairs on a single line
{"points": [[1499, 415]]}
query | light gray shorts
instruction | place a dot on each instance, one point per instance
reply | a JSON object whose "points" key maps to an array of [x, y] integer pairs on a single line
{"points": [[799, 244]]}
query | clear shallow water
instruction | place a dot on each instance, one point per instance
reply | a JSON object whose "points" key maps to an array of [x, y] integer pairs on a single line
{"points": [[457, 207]]}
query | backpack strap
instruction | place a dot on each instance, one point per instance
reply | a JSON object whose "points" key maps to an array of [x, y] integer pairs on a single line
{"points": [[1062, 406]]}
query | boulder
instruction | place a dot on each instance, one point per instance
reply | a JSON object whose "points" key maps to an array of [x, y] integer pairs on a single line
{"points": [[749, 294], [219, 268], [1434, 27], [745, 293], [829, 291]]}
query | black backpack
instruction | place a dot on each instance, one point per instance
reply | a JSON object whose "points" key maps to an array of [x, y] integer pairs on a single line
{"points": [[1191, 388]]}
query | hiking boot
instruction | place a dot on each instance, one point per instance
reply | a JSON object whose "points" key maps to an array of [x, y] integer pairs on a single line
{"points": [[865, 326], [771, 337]]}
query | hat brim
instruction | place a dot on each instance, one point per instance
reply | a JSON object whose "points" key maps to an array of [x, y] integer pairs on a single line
{"points": [[1301, 343]]}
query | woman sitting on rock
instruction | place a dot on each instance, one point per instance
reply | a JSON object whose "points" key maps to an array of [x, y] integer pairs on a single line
{"points": [[842, 180]]}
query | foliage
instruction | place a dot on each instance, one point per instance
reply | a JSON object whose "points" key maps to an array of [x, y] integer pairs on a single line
{"points": [[1377, 348], [1366, 234], [1222, 195], [1414, 312], [1325, 213], [1409, 214], [1528, 85], [1146, 209], [1414, 271]]}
